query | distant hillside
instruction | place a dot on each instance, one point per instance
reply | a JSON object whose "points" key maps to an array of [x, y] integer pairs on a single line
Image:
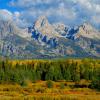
{"points": [[45, 41]]}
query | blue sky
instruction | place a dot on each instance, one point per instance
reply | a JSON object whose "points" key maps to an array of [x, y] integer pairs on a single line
{"points": [[69, 12]]}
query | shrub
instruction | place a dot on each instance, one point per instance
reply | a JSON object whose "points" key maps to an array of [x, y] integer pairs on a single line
{"points": [[95, 84], [49, 84], [62, 85], [24, 83]]}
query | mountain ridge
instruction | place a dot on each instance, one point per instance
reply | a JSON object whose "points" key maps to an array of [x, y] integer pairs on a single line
{"points": [[45, 40]]}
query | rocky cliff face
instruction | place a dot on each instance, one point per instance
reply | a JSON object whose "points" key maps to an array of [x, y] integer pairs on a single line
{"points": [[44, 40], [42, 25], [88, 31]]}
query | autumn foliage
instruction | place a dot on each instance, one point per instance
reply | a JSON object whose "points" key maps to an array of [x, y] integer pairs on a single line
{"points": [[75, 70]]}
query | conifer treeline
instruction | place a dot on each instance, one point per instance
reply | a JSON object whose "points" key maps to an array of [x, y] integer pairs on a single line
{"points": [[69, 70]]}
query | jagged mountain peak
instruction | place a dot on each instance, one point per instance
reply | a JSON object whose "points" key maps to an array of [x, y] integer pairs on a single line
{"points": [[41, 22], [59, 25], [60, 28], [87, 30], [43, 26], [48, 41], [8, 27], [88, 26]]}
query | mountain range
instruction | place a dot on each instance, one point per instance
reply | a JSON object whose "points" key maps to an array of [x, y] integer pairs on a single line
{"points": [[43, 40]]}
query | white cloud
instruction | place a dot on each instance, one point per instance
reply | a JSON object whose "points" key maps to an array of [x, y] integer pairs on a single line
{"points": [[96, 19], [59, 14], [5, 15], [91, 5], [16, 14], [68, 13], [15, 17], [28, 3], [72, 11], [97, 8]]}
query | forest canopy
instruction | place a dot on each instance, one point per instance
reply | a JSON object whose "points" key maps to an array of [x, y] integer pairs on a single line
{"points": [[68, 69]]}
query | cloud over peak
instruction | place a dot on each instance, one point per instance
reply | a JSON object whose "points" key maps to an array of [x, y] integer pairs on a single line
{"points": [[5, 14], [70, 12]]}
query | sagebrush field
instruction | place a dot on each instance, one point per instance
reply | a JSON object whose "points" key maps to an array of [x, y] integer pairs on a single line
{"points": [[70, 79]]}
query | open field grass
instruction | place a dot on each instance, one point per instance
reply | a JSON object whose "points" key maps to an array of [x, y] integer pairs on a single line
{"points": [[70, 79], [40, 91]]}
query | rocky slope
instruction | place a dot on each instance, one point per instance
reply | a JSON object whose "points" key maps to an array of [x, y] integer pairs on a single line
{"points": [[44, 40]]}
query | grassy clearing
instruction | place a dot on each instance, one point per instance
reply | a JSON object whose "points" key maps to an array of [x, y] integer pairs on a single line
{"points": [[70, 79], [40, 91]]}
